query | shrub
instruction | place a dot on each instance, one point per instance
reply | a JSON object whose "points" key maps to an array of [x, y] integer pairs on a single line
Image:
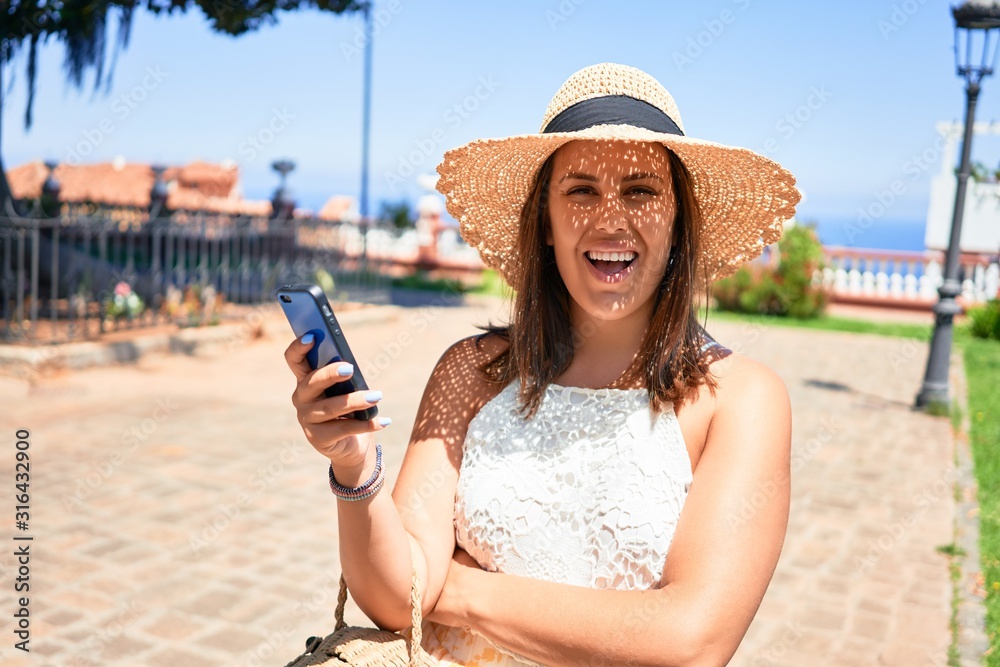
{"points": [[984, 320], [728, 290], [324, 280], [789, 290], [398, 213], [195, 306]]}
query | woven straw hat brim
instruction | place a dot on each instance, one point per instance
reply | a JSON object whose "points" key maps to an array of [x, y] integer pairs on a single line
{"points": [[744, 197]]}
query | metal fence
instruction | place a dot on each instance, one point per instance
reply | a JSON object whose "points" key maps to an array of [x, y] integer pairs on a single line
{"points": [[92, 270]]}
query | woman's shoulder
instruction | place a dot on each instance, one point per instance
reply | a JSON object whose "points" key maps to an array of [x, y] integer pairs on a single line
{"points": [[459, 370], [468, 354], [741, 380], [456, 390]]}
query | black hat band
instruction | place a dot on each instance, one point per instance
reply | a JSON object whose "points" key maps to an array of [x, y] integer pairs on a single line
{"points": [[612, 110]]}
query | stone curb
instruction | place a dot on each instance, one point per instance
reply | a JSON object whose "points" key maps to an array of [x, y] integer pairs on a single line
{"points": [[27, 362], [972, 640]]}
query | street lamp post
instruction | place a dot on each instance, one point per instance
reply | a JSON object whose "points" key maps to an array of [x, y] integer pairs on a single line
{"points": [[282, 204], [159, 193], [51, 188], [974, 26], [365, 131]]}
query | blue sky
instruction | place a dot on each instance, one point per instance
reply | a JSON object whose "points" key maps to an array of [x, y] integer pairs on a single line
{"points": [[843, 94]]}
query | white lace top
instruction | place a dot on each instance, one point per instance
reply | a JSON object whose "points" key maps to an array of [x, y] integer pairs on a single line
{"points": [[587, 492]]}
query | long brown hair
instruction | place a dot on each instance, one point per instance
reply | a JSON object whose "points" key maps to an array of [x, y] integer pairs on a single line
{"points": [[540, 339]]}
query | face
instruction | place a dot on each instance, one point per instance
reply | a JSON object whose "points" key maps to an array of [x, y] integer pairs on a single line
{"points": [[611, 211]]}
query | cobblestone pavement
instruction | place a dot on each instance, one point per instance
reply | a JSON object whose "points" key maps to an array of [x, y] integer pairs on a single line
{"points": [[179, 516]]}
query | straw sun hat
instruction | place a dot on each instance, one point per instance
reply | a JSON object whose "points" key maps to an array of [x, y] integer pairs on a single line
{"points": [[744, 198]]}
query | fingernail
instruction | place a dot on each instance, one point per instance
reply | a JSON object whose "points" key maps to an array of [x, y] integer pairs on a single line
{"points": [[373, 396], [307, 339], [345, 370], [384, 421]]}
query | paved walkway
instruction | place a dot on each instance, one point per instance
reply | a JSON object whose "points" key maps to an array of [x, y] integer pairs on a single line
{"points": [[882, 314], [180, 518]]}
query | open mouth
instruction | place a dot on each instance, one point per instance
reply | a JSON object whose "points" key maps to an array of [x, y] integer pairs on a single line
{"points": [[611, 264]]}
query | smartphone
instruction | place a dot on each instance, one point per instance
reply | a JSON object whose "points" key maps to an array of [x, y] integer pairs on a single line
{"points": [[308, 311]]}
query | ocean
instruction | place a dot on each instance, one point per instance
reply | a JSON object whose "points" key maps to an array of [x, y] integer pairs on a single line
{"points": [[878, 235]]}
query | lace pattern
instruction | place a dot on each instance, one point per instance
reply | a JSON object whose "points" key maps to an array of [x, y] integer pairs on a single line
{"points": [[588, 492]]}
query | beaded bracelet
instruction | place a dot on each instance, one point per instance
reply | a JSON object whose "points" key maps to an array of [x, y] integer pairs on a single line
{"points": [[369, 488]]}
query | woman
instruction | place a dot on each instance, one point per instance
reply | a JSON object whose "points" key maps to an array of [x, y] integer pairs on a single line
{"points": [[572, 449]]}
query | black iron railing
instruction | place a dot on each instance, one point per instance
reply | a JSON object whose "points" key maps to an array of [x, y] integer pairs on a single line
{"points": [[91, 270]]}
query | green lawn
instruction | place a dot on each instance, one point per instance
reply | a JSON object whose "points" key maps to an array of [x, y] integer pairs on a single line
{"points": [[827, 323], [982, 369], [491, 285]]}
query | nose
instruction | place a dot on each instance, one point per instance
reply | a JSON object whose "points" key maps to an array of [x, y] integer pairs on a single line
{"points": [[611, 217]]}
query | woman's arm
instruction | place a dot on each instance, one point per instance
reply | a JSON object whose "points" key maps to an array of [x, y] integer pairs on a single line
{"points": [[719, 565], [376, 533]]}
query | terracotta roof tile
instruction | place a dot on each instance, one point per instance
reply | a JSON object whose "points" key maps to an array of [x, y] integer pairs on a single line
{"points": [[199, 185]]}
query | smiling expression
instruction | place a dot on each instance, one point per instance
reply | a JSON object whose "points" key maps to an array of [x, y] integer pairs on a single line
{"points": [[611, 209]]}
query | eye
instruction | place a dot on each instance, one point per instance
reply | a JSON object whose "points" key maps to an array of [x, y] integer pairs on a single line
{"points": [[642, 190], [581, 190]]}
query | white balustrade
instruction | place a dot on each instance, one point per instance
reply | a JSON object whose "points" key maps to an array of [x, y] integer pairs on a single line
{"points": [[904, 276], [992, 279]]}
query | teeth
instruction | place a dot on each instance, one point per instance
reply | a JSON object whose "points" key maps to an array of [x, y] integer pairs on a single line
{"points": [[626, 256]]}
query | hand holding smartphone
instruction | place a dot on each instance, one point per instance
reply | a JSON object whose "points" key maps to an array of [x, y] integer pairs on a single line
{"points": [[308, 311]]}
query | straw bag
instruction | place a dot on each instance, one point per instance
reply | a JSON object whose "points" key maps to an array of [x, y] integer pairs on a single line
{"points": [[369, 647]]}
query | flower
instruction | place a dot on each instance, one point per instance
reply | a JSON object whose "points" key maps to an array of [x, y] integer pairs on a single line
{"points": [[123, 303], [195, 305]]}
